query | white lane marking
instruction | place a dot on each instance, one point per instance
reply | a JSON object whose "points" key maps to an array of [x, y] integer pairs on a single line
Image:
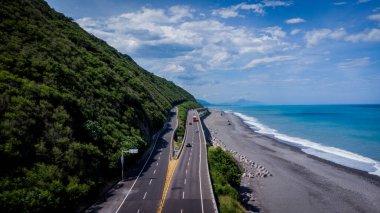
{"points": [[150, 181], [144, 195], [146, 162], [183, 195], [159, 158], [186, 171], [188, 163], [185, 181], [138, 210], [181, 210], [200, 159], [154, 172], [157, 164]]}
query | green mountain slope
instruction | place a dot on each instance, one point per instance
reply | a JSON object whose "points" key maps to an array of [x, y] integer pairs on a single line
{"points": [[68, 104]]}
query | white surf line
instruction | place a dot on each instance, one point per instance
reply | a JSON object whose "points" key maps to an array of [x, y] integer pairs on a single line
{"points": [[144, 195], [146, 162], [200, 159], [150, 181], [154, 172]]}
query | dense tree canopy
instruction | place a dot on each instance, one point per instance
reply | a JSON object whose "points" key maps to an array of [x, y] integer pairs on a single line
{"points": [[68, 104]]}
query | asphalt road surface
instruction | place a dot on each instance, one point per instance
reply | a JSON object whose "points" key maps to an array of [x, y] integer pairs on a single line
{"points": [[142, 191], [189, 190]]}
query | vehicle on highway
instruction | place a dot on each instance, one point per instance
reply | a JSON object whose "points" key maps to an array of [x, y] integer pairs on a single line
{"points": [[188, 145], [195, 119]]}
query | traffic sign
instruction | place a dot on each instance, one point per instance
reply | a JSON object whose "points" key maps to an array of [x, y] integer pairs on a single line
{"points": [[133, 151]]}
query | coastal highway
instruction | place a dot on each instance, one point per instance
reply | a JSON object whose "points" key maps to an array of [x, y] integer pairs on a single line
{"points": [[189, 190], [142, 191]]}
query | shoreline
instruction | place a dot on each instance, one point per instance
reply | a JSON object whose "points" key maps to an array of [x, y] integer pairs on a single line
{"points": [[362, 173], [295, 181]]}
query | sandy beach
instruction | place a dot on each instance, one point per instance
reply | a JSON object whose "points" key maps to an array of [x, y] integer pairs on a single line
{"points": [[282, 178]]}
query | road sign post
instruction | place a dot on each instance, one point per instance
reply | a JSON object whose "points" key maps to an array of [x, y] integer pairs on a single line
{"points": [[122, 165], [130, 151]]}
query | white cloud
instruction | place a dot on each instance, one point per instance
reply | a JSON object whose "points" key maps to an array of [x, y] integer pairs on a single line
{"points": [[313, 37], [182, 40], [375, 17], [276, 3], [226, 12], [294, 21], [340, 3], [174, 68], [275, 32], [258, 8], [295, 31], [258, 61], [354, 63], [199, 67], [372, 35]]}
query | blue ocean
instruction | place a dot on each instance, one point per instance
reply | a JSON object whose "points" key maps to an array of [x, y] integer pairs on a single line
{"points": [[345, 134]]}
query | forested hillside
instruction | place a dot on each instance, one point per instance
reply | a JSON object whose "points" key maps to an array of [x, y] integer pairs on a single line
{"points": [[68, 104]]}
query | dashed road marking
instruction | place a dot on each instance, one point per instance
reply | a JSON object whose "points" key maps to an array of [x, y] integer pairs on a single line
{"points": [[183, 195], [157, 164], [138, 210], [154, 172], [144, 195], [146, 162], [150, 181], [185, 181], [186, 171]]}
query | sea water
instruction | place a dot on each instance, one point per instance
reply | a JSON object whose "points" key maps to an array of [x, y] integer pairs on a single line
{"points": [[348, 135]]}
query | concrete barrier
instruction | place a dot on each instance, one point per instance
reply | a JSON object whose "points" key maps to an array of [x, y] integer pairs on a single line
{"points": [[204, 111]]}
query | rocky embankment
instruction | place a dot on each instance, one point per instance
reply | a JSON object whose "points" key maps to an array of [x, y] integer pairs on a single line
{"points": [[250, 169]]}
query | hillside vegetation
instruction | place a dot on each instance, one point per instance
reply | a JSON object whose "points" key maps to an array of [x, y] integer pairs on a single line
{"points": [[68, 104]]}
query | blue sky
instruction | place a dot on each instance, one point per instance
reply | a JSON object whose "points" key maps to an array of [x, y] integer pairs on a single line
{"points": [[273, 52]]}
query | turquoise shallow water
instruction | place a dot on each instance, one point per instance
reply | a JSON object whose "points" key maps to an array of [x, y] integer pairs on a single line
{"points": [[345, 134]]}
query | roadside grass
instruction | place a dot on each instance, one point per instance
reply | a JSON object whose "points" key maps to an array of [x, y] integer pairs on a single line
{"points": [[225, 175], [177, 144]]}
